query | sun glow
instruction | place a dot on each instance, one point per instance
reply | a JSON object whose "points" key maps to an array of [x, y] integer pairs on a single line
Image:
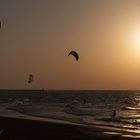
{"points": [[134, 41], [137, 39], [133, 44]]}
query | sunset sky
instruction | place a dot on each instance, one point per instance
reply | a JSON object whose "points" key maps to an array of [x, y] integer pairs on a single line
{"points": [[37, 35]]}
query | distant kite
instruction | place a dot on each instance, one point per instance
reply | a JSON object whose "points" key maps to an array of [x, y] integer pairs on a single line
{"points": [[31, 77], [75, 54]]}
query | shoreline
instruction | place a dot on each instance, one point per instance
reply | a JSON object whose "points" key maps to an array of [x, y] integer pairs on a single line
{"points": [[29, 128]]}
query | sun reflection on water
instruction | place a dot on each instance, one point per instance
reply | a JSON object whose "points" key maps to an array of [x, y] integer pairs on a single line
{"points": [[129, 115]]}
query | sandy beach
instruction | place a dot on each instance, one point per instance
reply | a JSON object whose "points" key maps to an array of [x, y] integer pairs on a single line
{"points": [[30, 129]]}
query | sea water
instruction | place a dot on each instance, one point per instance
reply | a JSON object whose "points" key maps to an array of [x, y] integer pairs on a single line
{"points": [[114, 109]]}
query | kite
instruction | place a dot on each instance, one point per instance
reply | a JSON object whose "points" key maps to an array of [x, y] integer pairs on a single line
{"points": [[75, 54], [31, 77]]}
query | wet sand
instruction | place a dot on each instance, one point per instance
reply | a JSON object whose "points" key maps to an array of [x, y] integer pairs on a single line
{"points": [[12, 128]]}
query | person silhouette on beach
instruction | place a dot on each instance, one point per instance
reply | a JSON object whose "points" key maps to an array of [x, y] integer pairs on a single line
{"points": [[84, 101]]}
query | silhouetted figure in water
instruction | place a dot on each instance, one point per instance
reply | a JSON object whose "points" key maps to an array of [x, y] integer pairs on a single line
{"points": [[114, 114], [0, 24]]}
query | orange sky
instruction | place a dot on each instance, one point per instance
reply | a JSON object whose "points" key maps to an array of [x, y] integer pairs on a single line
{"points": [[37, 35]]}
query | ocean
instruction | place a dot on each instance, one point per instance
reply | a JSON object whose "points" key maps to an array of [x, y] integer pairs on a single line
{"points": [[118, 110]]}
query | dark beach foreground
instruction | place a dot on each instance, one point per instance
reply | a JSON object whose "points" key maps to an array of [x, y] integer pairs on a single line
{"points": [[12, 128]]}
